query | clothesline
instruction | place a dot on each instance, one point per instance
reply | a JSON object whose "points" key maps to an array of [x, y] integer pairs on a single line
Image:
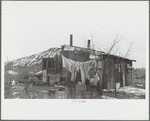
{"points": [[74, 66]]}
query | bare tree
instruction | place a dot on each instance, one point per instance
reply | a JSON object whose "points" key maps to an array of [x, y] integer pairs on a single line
{"points": [[113, 49], [128, 51]]}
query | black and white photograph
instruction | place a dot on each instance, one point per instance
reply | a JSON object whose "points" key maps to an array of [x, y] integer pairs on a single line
{"points": [[76, 52]]}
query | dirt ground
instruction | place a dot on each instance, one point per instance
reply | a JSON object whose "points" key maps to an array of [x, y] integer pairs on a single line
{"points": [[27, 91]]}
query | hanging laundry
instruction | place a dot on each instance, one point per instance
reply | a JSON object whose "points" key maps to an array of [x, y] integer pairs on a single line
{"points": [[92, 81], [85, 70], [96, 77], [82, 73], [66, 63], [74, 66], [92, 72], [73, 74], [100, 74], [69, 66], [87, 67]]}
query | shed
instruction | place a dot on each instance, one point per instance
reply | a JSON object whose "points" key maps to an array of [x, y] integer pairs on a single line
{"points": [[112, 69]]}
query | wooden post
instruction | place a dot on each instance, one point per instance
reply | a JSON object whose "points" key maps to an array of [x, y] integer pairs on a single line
{"points": [[125, 74], [103, 74], [69, 84], [101, 78], [113, 76], [121, 78], [131, 74], [47, 70]]}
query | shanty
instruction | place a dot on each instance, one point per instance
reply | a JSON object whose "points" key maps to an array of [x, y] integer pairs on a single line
{"points": [[72, 72], [85, 68]]}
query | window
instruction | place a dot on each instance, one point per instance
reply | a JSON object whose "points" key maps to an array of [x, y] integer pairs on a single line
{"points": [[48, 63], [51, 64]]}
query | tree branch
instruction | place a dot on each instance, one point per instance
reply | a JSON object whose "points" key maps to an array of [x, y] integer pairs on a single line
{"points": [[128, 51]]}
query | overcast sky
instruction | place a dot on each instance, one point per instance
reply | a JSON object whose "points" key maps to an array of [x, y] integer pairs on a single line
{"points": [[30, 27]]}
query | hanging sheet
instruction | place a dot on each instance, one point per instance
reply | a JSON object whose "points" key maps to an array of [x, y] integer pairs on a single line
{"points": [[74, 66]]}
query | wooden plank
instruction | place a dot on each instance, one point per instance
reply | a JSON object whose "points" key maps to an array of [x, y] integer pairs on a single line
{"points": [[44, 72], [121, 78], [113, 75], [129, 74], [125, 74], [44, 76], [44, 79]]}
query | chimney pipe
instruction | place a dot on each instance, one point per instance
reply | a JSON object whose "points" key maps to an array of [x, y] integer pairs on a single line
{"points": [[71, 41], [88, 43]]}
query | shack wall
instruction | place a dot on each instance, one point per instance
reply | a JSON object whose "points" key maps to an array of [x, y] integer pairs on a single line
{"points": [[129, 74], [116, 70], [108, 75]]}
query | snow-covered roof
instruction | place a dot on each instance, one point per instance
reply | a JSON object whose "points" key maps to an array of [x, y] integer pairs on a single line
{"points": [[36, 58]]}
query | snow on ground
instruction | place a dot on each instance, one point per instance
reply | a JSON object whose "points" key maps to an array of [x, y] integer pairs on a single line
{"points": [[107, 97], [130, 89], [127, 92]]}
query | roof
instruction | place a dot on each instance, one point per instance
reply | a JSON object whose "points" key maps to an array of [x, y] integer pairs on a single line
{"points": [[82, 49], [91, 51], [36, 58], [50, 53], [119, 57]]}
